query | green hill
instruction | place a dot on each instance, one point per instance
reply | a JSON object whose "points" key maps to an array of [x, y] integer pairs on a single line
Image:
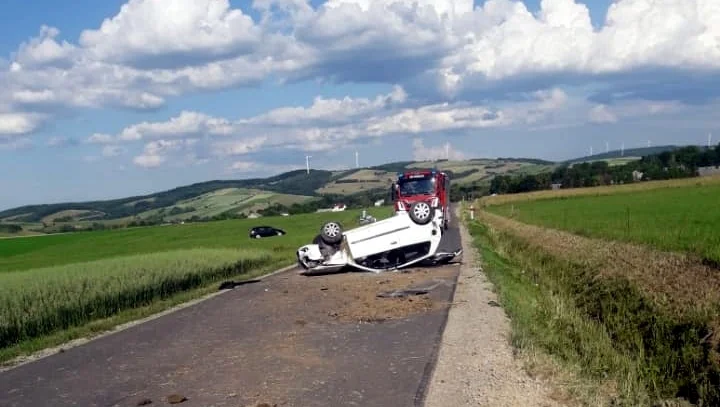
{"points": [[619, 156], [219, 199]]}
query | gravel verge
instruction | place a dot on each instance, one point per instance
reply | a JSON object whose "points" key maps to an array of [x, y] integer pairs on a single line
{"points": [[476, 363]]}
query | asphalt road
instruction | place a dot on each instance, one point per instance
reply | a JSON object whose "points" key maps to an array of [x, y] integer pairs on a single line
{"points": [[278, 341]]}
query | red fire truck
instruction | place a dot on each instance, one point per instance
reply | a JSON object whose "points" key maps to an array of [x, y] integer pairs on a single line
{"points": [[423, 185]]}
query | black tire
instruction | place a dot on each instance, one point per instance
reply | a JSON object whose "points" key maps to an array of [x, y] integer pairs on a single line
{"points": [[421, 212], [331, 233]]}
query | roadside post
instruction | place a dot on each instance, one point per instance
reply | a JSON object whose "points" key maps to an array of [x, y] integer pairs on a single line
{"points": [[472, 212]]}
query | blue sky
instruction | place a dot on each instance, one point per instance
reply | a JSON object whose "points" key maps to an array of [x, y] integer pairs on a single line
{"points": [[116, 98]]}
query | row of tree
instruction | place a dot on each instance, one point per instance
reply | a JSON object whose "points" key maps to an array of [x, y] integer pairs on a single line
{"points": [[680, 163]]}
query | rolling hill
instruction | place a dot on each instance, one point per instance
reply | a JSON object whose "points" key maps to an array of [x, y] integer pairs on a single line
{"points": [[221, 198], [621, 156], [205, 200]]}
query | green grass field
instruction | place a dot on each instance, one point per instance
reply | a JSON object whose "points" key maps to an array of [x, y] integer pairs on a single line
{"points": [[54, 250], [53, 283], [682, 219]]}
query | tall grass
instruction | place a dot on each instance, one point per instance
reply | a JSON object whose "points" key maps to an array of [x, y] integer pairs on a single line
{"points": [[40, 301], [626, 349]]}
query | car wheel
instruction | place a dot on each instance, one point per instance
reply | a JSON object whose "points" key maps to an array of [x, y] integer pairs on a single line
{"points": [[257, 236], [421, 213], [279, 233], [331, 233]]}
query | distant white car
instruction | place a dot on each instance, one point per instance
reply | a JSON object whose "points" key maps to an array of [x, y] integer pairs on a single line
{"points": [[397, 242]]}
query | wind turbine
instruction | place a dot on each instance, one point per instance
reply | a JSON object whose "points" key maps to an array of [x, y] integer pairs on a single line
{"points": [[607, 147], [622, 150], [357, 161], [709, 139], [447, 151], [307, 163]]}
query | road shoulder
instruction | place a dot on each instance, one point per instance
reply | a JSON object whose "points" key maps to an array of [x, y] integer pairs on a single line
{"points": [[475, 364]]}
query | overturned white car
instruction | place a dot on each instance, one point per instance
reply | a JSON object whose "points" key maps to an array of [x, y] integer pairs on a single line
{"points": [[408, 238]]}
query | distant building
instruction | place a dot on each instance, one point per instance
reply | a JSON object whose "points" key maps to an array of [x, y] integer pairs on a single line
{"points": [[556, 186], [254, 215], [338, 207], [637, 175], [709, 170]]}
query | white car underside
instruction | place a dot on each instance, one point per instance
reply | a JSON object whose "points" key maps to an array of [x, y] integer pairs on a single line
{"points": [[407, 239]]}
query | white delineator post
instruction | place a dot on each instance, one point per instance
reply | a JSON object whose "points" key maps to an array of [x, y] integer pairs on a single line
{"points": [[472, 212]]}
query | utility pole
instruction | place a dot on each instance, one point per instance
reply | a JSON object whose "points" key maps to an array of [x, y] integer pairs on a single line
{"points": [[307, 163]]}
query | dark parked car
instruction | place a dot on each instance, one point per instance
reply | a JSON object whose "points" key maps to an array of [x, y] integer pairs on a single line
{"points": [[265, 231]]}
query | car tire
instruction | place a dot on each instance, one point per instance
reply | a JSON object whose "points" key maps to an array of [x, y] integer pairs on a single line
{"points": [[421, 212], [257, 236], [331, 233]]}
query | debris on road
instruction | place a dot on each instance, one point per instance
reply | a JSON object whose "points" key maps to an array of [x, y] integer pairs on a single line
{"points": [[228, 285], [144, 402], [176, 399], [403, 293]]}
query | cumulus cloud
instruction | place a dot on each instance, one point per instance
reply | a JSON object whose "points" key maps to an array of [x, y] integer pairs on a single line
{"points": [[19, 123], [326, 125], [191, 32], [601, 114], [446, 151], [460, 58]]}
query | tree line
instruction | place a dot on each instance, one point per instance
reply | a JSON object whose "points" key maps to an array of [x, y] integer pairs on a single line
{"points": [[680, 163]]}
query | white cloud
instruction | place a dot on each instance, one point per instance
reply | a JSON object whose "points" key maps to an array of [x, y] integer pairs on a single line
{"points": [[446, 151], [112, 151], [149, 53], [100, 138], [601, 114], [326, 125], [147, 33], [148, 160], [18, 123], [186, 124], [156, 152]]}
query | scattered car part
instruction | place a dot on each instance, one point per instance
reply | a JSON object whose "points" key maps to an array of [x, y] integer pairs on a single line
{"points": [[403, 293]]}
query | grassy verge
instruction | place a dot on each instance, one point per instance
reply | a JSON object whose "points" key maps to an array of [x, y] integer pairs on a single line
{"points": [[625, 348], [40, 302]]}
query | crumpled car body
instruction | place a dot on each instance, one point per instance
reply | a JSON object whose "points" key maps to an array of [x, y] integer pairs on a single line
{"points": [[406, 239]]}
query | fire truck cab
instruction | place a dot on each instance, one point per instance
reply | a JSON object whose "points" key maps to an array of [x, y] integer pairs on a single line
{"points": [[424, 185]]}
